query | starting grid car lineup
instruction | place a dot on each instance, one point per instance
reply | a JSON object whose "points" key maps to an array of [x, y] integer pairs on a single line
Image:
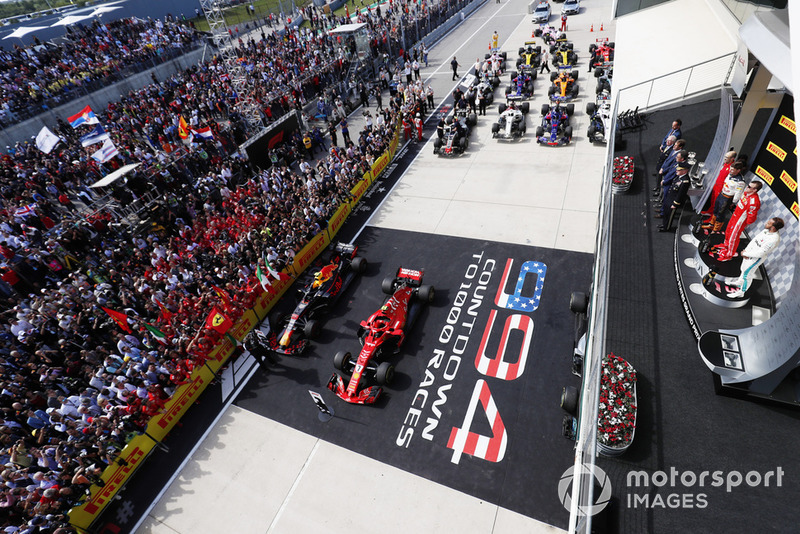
{"points": [[317, 296], [511, 123], [521, 87], [565, 86], [555, 129], [381, 336], [564, 56], [599, 121], [455, 130], [530, 57]]}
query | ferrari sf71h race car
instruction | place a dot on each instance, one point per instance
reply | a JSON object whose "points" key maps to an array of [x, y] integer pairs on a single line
{"points": [[565, 86], [521, 87], [555, 129], [290, 333], [381, 336], [530, 57], [511, 123], [602, 54], [455, 134]]}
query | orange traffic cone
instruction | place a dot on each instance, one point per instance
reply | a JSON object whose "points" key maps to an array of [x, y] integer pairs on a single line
{"points": [[601, 26], [592, 28]]}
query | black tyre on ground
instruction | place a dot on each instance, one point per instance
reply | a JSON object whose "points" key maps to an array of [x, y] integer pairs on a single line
{"points": [[342, 361], [426, 293], [501, 108], [570, 109], [387, 286], [569, 399], [591, 107], [525, 108], [578, 302], [384, 374], [359, 264], [312, 328]]}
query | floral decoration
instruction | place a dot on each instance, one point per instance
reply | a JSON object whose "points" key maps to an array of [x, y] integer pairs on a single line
{"points": [[617, 408]]}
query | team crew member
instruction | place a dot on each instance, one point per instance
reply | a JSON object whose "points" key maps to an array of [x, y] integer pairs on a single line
{"points": [[454, 65], [745, 214], [755, 253], [418, 124]]}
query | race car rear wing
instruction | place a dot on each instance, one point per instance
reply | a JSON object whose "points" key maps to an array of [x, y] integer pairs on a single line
{"points": [[412, 276]]}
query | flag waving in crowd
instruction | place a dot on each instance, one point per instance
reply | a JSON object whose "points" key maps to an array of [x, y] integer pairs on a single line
{"points": [[218, 322], [120, 318], [84, 116], [183, 130], [97, 135]]}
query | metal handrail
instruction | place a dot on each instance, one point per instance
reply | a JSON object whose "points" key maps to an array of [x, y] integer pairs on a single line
{"points": [[685, 92]]}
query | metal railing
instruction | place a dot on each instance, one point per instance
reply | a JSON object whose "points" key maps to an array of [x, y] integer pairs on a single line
{"points": [[680, 84]]}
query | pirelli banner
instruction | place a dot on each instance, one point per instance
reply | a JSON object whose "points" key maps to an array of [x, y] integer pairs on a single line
{"points": [[776, 161], [114, 477]]}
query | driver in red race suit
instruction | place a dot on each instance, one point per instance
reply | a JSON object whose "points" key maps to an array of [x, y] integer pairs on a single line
{"points": [[745, 213]]}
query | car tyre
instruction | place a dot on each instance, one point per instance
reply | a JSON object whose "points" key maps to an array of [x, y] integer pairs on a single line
{"points": [[472, 119], [568, 132], [359, 264], [525, 108], [387, 286], [426, 294], [495, 128], [553, 76], [312, 328], [569, 399], [570, 109], [545, 109], [539, 131], [592, 48], [578, 302], [342, 361], [591, 107], [384, 373]]}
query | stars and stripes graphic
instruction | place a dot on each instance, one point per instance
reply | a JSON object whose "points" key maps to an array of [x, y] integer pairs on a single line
{"points": [[516, 301]]}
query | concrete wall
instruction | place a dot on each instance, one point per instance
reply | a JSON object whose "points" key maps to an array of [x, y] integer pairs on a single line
{"points": [[98, 100]]}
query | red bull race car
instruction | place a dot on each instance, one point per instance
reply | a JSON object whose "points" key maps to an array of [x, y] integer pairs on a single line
{"points": [[555, 129], [381, 336], [289, 334]]}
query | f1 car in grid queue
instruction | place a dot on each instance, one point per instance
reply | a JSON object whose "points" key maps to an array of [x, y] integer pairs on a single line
{"points": [[564, 57], [511, 123], [604, 77], [455, 135], [521, 87], [498, 54], [486, 85], [599, 121], [381, 336], [530, 57], [290, 333], [564, 86], [555, 129], [549, 34], [602, 54]]}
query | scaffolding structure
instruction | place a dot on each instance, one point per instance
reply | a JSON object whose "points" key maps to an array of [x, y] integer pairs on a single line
{"points": [[214, 11]]}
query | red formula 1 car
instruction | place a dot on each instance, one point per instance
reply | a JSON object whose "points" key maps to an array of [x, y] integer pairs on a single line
{"points": [[291, 333], [381, 335]]}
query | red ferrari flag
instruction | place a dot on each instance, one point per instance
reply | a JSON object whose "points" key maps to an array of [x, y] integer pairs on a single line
{"points": [[223, 296], [218, 322], [165, 313], [120, 318]]}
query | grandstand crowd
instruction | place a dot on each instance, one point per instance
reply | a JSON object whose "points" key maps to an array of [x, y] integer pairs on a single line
{"points": [[102, 320]]}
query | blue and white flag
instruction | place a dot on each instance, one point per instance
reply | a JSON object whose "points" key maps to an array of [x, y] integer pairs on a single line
{"points": [[107, 152], [97, 135]]}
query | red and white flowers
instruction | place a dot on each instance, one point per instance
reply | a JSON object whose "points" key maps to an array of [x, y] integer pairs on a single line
{"points": [[617, 408]]}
